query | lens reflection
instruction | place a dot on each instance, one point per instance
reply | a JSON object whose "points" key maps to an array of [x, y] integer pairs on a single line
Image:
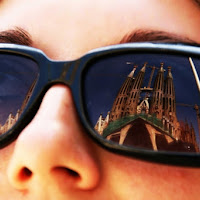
{"points": [[149, 101], [18, 76]]}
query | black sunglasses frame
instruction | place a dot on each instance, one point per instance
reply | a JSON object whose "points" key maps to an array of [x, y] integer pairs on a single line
{"points": [[70, 73]]}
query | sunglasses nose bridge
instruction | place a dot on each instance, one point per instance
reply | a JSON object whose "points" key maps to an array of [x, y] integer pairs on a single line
{"points": [[60, 72]]}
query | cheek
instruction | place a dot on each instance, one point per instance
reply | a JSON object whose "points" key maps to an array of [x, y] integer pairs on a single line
{"points": [[129, 177], [5, 156]]}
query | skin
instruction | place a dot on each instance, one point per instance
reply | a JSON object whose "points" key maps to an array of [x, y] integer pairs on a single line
{"points": [[62, 162]]}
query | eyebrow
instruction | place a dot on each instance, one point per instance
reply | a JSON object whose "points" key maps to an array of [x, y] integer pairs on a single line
{"points": [[156, 36], [22, 37], [16, 36]]}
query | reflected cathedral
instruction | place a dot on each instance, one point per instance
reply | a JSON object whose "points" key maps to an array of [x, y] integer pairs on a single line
{"points": [[146, 116]]}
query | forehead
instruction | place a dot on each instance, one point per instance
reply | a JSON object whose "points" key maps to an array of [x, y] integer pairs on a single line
{"points": [[68, 29]]}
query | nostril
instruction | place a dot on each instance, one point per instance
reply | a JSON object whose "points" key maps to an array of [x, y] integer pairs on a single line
{"points": [[67, 171], [72, 172], [25, 174]]}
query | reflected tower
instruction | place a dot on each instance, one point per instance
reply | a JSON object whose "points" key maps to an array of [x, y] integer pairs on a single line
{"points": [[169, 107], [120, 101], [134, 96], [158, 93]]}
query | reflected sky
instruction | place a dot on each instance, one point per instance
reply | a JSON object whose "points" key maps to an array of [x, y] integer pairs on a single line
{"points": [[16, 77]]}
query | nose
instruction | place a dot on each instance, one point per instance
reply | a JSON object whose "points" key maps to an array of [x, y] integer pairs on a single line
{"points": [[53, 149]]}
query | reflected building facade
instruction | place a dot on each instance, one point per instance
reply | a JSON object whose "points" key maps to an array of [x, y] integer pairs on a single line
{"points": [[146, 116]]}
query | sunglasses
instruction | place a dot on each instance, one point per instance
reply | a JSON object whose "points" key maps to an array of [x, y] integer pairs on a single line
{"points": [[139, 100]]}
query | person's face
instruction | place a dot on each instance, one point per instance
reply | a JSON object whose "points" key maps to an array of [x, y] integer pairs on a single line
{"points": [[53, 158]]}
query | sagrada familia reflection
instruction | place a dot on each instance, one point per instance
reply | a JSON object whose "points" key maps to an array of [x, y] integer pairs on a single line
{"points": [[146, 117]]}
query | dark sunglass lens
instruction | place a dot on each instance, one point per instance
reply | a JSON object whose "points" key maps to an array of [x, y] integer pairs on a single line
{"points": [[148, 101], [18, 76]]}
